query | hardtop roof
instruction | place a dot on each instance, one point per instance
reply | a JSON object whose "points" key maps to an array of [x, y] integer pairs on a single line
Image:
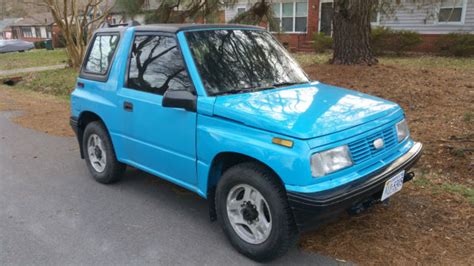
{"points": [[174, 28]]}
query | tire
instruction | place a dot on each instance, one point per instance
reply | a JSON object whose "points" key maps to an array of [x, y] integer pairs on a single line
{"points": [[283, 233], [110, 171]]}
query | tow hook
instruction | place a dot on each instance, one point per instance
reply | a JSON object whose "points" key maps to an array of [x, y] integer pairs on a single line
{"points": [[362, 206], [408, 176]]}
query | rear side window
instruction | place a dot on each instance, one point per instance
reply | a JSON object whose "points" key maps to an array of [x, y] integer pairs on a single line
{"points": [[156, 65], [101, 54]]}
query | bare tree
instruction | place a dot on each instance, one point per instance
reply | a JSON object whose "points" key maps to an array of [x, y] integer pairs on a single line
{"points": [[77, 20], [11, 9], [131, 8], [260, 12], [174, 11]]}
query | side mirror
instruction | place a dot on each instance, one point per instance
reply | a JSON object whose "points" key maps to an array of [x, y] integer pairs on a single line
{"points": [[180, 99]]}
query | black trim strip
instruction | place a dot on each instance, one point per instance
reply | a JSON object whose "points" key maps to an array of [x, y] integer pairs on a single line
{"points": [[76, 127], [358, 187], [313, 209]]}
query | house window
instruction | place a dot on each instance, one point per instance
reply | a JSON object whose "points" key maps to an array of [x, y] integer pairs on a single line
{"points": [[38, 32], [27, 32], [240, 10], [292, 16], [301, 16], [287, 17], [277, 13], [375, 17], [451, 11]]}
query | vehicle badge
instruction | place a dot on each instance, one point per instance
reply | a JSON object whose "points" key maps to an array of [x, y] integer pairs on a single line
{"points": [[378, 143]]}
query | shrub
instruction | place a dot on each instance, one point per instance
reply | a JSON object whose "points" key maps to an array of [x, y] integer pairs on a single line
{"points": [[456, 44], [40, 45], [379, 36], [387, 40], [322, 42]]}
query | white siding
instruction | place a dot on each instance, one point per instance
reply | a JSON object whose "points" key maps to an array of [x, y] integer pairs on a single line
{"points": [[424, 19], [231, 11], [408, 16]]}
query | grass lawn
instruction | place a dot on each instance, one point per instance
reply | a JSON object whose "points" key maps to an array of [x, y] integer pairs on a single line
{"points": [[428, 222], [33, 58], [58, 82]]}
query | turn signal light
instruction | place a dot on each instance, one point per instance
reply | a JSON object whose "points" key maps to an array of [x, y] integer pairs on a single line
{"points": [[283, 142]]}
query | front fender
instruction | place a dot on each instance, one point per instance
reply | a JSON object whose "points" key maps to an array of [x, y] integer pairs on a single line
{"points": [[216, 135]]}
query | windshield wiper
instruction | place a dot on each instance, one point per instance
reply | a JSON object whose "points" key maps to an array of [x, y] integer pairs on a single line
{"points": [[261, 88], [233, 91], [289, 83], [242, 90]]}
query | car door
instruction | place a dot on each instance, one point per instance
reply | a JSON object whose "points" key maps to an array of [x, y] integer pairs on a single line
{"points": [[161, 140]]}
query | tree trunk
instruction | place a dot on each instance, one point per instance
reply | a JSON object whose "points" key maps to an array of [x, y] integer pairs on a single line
{"points": [[351, 32]]}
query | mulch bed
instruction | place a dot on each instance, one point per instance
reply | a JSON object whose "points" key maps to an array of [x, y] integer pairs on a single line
{"points": [[422, 224]]}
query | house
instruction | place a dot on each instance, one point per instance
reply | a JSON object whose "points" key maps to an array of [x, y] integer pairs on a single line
{"points": [[5, 30], [301, 19], [34, 28], [118, 15]]}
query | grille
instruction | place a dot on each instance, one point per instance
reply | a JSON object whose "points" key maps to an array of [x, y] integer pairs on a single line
{"points": [[363, 149]]}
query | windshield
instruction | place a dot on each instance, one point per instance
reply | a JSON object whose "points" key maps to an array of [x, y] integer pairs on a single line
{"points": [[234, 61]]}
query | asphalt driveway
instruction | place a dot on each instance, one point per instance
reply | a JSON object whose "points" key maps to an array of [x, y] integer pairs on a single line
{"points": [[52, 212]]}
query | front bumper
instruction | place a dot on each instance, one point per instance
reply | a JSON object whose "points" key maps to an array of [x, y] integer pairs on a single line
{"points": [[313, 209]]}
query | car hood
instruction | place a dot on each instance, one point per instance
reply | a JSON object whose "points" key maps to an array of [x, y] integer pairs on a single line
{"points": [[304, 111]]}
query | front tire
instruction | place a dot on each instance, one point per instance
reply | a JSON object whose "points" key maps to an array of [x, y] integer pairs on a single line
{"points": [[253, 210], [100, 155]]}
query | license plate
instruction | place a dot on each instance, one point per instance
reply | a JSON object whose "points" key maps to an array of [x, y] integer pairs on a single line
{"points": [[393, 185]]}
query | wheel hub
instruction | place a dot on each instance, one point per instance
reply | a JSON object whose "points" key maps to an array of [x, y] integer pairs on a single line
{"points": [[98, 152], [249, 212]]}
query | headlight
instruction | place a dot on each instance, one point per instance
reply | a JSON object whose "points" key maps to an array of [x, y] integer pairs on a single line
{"points": [[329, 161], [402, 130]]}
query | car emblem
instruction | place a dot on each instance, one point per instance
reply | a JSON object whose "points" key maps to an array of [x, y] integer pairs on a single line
{"points": [[378, 143]]}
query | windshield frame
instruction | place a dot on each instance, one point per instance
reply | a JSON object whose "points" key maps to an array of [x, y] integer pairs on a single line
{"points": [[241, 90]]}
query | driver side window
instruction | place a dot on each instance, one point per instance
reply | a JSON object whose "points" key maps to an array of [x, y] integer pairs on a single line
{"points": [[156, 65]]}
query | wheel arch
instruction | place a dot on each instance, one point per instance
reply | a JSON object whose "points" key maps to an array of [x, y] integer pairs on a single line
{"points": [[85, 118], [222, 162]]}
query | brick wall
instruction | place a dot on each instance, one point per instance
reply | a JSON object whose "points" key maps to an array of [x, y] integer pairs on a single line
{"points": [[313, 17], [302, 41]]}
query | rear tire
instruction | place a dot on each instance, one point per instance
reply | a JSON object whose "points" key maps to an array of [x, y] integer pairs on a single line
{"points": [[100, 155], [276, 213]]}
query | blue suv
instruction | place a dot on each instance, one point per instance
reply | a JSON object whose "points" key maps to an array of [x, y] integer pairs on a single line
{"points": [[226, 112]]}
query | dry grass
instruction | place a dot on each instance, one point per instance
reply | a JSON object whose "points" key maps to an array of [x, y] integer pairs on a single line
{"points": [[431, 220], [38, 111]]}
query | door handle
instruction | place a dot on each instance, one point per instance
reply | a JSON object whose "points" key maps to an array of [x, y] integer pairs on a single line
{"points": [[128, 106]]}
